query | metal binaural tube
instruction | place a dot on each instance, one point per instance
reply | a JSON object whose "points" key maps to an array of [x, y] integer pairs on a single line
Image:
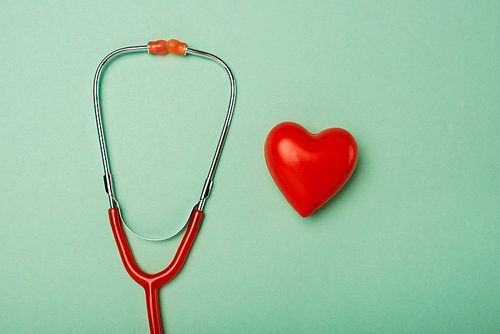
{"points": [[108, 181], [209, 181]]}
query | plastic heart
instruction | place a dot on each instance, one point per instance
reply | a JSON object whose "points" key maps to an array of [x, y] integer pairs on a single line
{"points": [[309, 169]]}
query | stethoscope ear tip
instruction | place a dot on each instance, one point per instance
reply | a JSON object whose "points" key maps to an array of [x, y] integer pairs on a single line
{"points": [[163, 47]]}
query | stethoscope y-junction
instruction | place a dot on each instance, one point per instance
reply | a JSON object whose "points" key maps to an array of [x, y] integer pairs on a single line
{"points": [[152, 282]]}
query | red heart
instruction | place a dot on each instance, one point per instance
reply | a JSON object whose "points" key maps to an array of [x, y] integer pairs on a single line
{"points": [[309, 169]]}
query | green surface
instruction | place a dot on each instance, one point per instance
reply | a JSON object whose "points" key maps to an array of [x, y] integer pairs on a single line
{"points": [[410, 245]]}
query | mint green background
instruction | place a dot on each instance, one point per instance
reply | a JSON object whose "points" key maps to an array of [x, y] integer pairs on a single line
{"points": [[410, 245]]}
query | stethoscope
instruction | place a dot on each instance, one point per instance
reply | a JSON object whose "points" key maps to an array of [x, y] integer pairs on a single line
{"points": [[152, 282]]}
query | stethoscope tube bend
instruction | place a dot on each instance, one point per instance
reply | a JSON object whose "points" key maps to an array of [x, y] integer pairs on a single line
{"points": [[152, 282]]}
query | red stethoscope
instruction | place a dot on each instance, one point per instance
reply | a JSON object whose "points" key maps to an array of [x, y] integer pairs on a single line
{"points": [[152, 282]]}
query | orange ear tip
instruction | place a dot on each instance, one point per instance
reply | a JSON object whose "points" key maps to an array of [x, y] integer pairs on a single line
{"points": [[172, 46]]}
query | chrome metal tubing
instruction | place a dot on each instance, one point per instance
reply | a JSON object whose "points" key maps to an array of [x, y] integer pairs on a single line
{"points": [[108, 183], [209, 181], [108, 180]]}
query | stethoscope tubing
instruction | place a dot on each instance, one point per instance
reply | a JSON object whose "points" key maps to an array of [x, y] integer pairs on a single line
{"points": [[152, 282]]}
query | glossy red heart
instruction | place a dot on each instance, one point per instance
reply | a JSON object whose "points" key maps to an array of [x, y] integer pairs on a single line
{"points": [[309, 169]]}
